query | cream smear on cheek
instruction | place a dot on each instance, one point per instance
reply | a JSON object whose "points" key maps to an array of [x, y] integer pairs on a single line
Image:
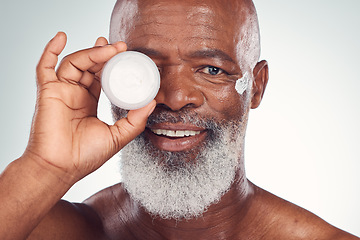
{"points": [[242, 84]]}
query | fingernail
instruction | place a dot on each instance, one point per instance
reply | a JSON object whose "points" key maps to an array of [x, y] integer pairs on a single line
{"points": [[120, 46], [57, 34]]}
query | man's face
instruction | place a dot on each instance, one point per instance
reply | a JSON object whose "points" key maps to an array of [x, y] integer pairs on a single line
{"points": [[192, 145], [195, 48]]}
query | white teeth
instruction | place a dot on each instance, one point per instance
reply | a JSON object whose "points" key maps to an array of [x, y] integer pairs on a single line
{"points": [[180, 133], [171, 133]]}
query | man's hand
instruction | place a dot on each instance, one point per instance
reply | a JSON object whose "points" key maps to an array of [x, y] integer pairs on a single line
{"points": [[66, 134], [67, 140]]}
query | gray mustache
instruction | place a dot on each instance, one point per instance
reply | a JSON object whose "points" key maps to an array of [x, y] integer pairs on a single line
{"points": [[184, 116]]}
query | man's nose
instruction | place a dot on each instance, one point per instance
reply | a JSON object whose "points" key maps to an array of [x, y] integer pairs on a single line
{"points": [[178, 89]]}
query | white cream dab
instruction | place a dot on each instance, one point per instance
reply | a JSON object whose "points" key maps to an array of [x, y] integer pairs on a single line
{"points": [[242, 83]]}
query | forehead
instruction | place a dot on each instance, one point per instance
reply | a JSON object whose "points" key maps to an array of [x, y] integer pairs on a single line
{"points": [[183, 25], [202, 12]]}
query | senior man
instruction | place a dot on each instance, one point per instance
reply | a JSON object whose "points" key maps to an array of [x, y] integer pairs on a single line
{"points": [[183, 174]]}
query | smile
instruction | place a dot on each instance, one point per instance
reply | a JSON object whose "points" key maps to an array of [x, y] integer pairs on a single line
{"points": [[175, 137], [172, 133]]}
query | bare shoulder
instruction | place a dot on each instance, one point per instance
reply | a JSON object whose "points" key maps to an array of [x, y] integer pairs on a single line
{"points": [[99, 217], [69, 221], [108, 195], [289, 221], [116, 211], [109, 202]]}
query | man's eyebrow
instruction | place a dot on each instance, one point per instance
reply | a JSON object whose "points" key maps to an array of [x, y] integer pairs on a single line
{"points": [[212, 53], [147, 51], [205, 53]]}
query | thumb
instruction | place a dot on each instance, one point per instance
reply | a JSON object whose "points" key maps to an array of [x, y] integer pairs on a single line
{"points": [[126, 129]]}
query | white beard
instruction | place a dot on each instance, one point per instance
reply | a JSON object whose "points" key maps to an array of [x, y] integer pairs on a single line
{"points": [[171, 188]]}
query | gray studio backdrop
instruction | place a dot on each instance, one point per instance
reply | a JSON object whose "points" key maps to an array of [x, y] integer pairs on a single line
{"points": [[302, 142]]}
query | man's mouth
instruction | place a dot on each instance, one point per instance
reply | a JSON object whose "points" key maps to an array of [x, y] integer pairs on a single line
{"points": [[173, 133], [175, 137]]}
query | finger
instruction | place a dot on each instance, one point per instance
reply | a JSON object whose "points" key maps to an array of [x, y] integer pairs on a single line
{"points": [[101, 41], [45, 69], [126, 129], [73, 66], [90, 79], [92, 83], [95, 88]]}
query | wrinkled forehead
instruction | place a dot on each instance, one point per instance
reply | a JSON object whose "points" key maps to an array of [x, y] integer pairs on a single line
{"points": [[227, 21], [184, 16], [205, 12], [213, 14]]}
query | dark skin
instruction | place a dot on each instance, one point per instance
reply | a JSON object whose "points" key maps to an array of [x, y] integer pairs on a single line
{"points": [[178, 46]]}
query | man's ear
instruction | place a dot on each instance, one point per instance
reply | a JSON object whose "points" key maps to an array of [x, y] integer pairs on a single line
{"points": [[261, 77]]}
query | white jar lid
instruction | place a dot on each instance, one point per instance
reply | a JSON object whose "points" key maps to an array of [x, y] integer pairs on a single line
{"points": [[130, 80]]}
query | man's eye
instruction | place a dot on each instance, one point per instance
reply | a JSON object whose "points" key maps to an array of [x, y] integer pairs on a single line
{"points": [[213, 70]]}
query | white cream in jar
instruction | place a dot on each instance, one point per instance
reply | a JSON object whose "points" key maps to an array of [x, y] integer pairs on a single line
{"points": [[130, 80]]}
